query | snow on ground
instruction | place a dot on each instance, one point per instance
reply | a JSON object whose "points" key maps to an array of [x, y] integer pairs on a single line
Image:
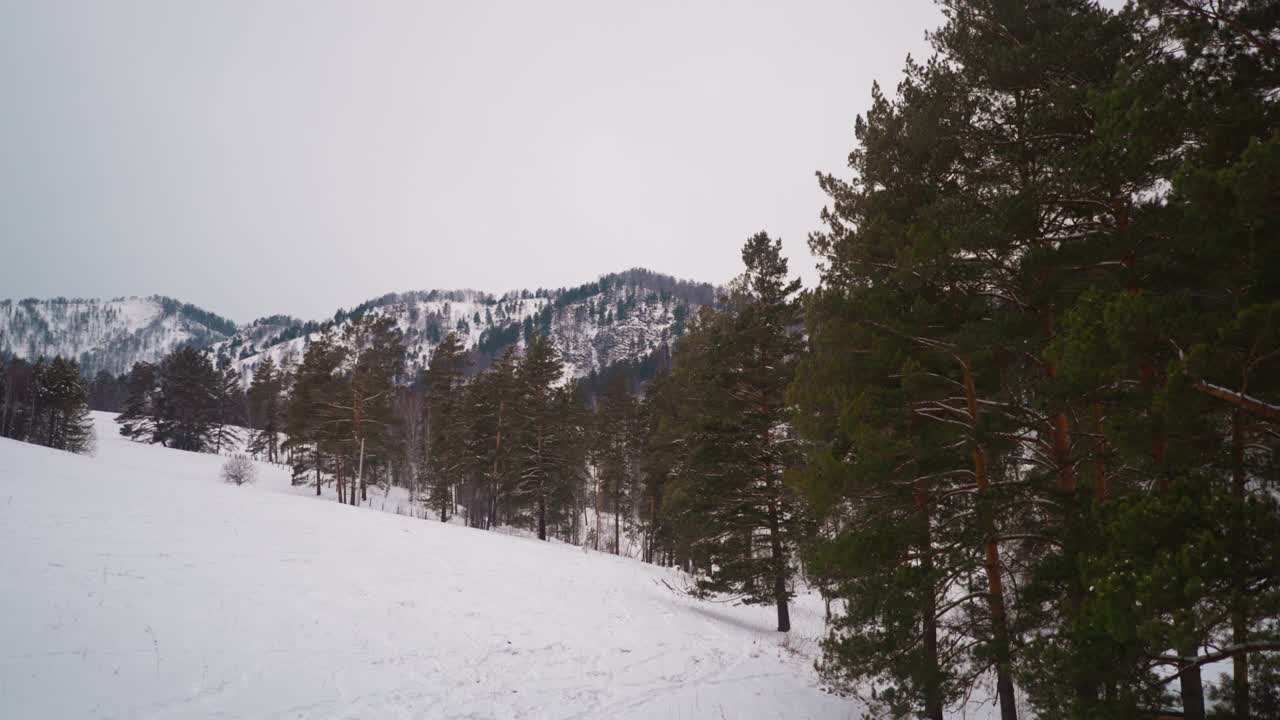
{"points": [[137, 585]]}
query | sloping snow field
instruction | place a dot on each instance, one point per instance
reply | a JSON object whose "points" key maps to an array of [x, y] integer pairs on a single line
{"points": [[135, 584]]}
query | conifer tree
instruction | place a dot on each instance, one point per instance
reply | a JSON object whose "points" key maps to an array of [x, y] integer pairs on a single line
{"points": [[107, 392], [230, 401], [16, 398], [189, 401], [488, 441], [1010, 356], [137, 422], [738, 516], [503, 396], [63, 421], [537, 404], [614, 441], [309, 418], [445, 423], [657, 457], [265, 408], [364, 424]]}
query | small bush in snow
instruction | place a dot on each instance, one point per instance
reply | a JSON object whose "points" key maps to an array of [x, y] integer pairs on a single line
{"points": [[239, 470]]}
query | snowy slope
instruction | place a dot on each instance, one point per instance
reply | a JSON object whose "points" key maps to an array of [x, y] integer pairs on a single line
{"points": [[105, 334], [136, 585]]}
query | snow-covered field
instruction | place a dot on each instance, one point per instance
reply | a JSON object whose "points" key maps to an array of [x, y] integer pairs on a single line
{"points": [[135, 584]]}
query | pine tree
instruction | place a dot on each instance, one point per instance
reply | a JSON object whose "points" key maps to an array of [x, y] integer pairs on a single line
{"points": [[539, 370], [310, 424], [63, 422], [189, 401], [488, 440], [265, 409], [138, 420], [657, 458], [364, 423], [15, 395], [1183, 343], [1015, 297], [445, 423], [230, 401], [107, 392], [739, 518], [614, 440], [503, 393]]}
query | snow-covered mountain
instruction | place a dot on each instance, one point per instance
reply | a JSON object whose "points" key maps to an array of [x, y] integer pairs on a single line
{"points": [[106, 334], [620, 317]]}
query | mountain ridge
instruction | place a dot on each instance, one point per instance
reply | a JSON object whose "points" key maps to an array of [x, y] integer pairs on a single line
{"points": [[620, 317]]}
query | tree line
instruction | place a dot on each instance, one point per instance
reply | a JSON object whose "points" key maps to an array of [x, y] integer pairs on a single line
{"points": [[183, 402], [45, 403], [1039, 401]]}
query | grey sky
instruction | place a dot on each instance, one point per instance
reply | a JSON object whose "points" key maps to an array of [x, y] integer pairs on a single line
{"points": [[261, 157]]}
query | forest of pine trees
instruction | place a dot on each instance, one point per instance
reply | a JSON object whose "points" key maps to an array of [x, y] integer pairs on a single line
{"points": [[1022, 434], [1038, 400], [46, 403], [183, 402]]}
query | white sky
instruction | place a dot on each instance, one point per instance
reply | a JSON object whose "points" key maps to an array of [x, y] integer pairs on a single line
{"points": [[263, 157]]}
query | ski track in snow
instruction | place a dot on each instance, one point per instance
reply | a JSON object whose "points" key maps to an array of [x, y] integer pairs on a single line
{"points": [[137, 585]]}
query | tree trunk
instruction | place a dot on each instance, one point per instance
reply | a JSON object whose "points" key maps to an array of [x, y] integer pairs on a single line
{"points": [[360, 475], [995, 585], [1192, 688], [779, 569], [928, 615], [497, 454], [1101, 488], [596, 542], [1239, 599], [337, 479], [542, 516], [542, 490], [653, 531], [1061, 429]]}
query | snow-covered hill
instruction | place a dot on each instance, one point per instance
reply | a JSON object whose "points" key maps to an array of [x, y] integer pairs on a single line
{"points": [[137, 585], [619, 317], [105, 334]]}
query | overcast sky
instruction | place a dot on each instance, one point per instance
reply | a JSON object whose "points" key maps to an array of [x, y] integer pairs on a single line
{"points": [[262, 157]]}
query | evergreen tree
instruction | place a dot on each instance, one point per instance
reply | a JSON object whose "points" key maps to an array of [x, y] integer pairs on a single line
{"points": [[537, 404], [17, 389], [265, 409], [658, 451], [614, 444], [107, 392], [489, 438], [138, 420], [310, 424], [1014, 294], [63, 421], [445, 423], [373, 360], [739, 518], [230, 400], [188, 406]]}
